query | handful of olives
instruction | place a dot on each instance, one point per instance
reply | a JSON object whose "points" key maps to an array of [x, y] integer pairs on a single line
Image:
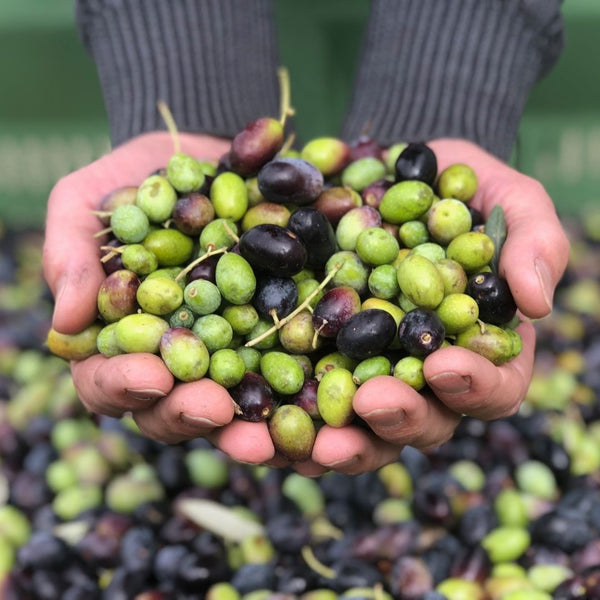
{"points": [[293, 277]]}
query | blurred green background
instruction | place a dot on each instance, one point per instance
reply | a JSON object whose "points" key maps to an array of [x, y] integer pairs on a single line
{"points": [[52, 118]]}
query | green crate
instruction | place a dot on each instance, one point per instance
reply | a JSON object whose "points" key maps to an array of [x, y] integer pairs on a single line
{"points": [[52, 119]]}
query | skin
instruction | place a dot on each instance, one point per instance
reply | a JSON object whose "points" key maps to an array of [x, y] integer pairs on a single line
{"points": [[534, 258]]}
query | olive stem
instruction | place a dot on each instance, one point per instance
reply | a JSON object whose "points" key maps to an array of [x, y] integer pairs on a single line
{"points": [[284, 87], [112, 251], [117, 249], [102, 213], [102, 232], [316, 565], [273, 313], [167, 116], [297, 310], [230, 231], [316, 334], [196, 262], [288, 143]]}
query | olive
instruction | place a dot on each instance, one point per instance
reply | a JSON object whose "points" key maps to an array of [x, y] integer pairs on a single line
{"points": [[290, 181], [336, 201], [366, 334], [335, 307], [421, 332], [273, 249], [416, 162], [253, 397], [317, 234], [493, 296], [275, 295], [254, 145]]}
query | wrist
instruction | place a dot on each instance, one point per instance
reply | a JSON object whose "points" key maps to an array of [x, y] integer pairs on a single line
{"points": [[460, 69]]}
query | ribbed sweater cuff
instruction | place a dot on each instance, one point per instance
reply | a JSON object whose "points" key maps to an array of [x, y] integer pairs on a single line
{"points": [[436, 68], [214, 62]]}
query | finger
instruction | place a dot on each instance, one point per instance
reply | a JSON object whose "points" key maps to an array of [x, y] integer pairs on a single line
{"points": [[536, 251], [469, 384], [402, 416], [190, 410], [245, 441], [132, 381], [123, 383], [71, 258], [309, 468], [533, 258], [351, 450]]}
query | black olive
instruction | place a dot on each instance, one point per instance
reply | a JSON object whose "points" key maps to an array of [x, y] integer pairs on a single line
{"points": [[421, 332], [366, 334], [493, 296], [416, 162]]}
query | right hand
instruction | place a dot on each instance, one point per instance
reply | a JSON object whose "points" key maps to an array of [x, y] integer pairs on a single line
{"points": [[138, 383]]}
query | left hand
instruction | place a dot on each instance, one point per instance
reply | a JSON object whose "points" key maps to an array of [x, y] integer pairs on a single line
{"points": [[462, 382]]}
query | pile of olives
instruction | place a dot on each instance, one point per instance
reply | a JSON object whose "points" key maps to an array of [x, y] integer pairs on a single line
{"points": [[91, 509], [292, 277]]}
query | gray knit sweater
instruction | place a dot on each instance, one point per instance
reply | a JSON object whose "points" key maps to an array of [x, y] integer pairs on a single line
{"points": [[428, 68]]}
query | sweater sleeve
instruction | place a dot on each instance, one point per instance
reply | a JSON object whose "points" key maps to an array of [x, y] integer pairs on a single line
{"points": [[214, 62], [435, 68]]}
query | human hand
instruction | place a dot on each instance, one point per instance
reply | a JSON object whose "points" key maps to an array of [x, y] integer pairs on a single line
{"points": [[533, 259], [171, 413], [136, 383]]}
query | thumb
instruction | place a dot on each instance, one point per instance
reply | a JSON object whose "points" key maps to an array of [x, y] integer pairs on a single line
{"points": [[71, 258]]}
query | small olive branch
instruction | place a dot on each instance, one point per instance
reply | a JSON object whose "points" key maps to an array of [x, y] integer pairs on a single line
{"points": [[279, 323], [111, 252], [167, 116], [286, 109], [211, 251]]}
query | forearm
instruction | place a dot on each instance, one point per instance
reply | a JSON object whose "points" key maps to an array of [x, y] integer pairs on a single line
{"points": [[214, 62], [439, 68]]}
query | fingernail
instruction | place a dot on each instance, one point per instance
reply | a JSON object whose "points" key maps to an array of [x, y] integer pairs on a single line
{"points": [[345, 462], [385, 415], [546, 281], [146, 394], [61, 286], [197, 421], [451, 383]]}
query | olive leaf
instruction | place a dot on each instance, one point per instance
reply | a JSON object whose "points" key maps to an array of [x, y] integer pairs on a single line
{"points": [[495, 228], [219, 519]]}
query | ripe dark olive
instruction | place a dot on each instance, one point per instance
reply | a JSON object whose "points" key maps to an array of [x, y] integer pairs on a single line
{"points": [[306, 398], [256, 144], [363, 147], [477, 218], [273, 249], [367, 333], [493, 296], [254, 397], [417, 161], [374, 192], [421, 332], [192, 213], [335, 307], [278, 294], [317, 234], [290, 181]]}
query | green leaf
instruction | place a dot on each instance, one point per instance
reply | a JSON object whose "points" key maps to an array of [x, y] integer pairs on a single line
{"points": [[495, 228]]}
